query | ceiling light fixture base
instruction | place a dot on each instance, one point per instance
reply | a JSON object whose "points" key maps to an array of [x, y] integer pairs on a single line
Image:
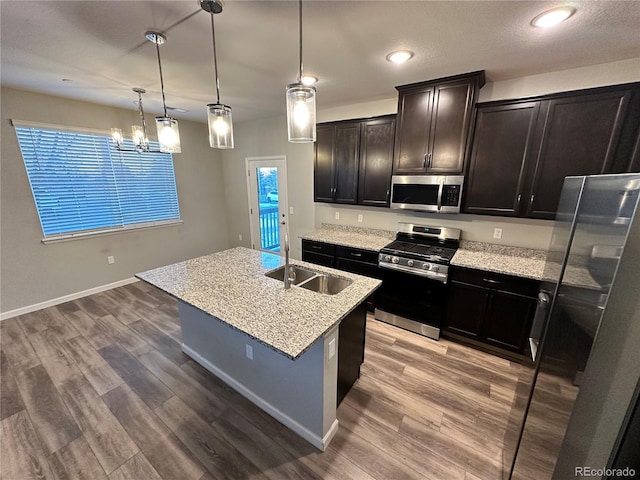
{"points": [[156, 37], [212, 6]]}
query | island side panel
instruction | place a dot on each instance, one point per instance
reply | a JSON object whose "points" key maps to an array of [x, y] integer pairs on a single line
{"points": [[299, 393]]}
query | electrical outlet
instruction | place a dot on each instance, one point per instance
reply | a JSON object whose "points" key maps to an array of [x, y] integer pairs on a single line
{"points": [[337, 215], [290, 210], [111, 260], [332, 348], [360, 218], [240, 236], [249, 352], [497, 233]]}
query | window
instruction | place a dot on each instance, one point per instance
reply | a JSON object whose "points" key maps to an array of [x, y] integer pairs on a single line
{"points": [[82, 184]]}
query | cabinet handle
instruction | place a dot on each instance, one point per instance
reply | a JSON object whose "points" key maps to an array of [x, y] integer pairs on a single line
{"points": [[388, 191], [316, 247], [429, 161], [355, 254], [488, 280], [531, 200], [424, 164], [519, 198]]}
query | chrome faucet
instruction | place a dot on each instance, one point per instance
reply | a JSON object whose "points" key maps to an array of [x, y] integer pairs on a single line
{"points": [[289, 274]]}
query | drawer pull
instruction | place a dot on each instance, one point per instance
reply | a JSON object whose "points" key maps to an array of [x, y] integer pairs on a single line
{"points": [[316, 247], [355, 254], [488, 280]]}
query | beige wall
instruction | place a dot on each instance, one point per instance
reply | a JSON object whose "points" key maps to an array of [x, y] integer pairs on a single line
{"points": [[268, 137], [32, 272]]}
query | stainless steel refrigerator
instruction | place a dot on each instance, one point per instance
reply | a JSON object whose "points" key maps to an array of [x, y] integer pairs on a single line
{"points": [[574, 401]]}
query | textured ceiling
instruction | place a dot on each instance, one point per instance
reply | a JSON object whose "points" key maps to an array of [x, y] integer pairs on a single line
{"points": [[100, 46]]}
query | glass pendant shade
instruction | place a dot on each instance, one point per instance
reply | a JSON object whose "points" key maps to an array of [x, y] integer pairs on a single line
{"points": [[138, 137], [220, 125], [116, 135], [168, 135], [301, 113]]}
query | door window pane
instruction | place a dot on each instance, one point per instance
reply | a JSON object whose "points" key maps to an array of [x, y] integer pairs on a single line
{"points": [[268, 201]]}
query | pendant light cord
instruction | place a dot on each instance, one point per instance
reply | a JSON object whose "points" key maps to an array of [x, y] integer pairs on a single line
{"points": [[141, 111], [300, 30], [164, 103], [215, 58]]}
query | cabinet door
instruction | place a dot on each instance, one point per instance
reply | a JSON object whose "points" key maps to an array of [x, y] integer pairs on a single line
{"points": [[580, 137], [376, 161], [346, 160], [412, 131], [502, 143], [323, 164], [450, 123], [508, 320], [465, 309]]}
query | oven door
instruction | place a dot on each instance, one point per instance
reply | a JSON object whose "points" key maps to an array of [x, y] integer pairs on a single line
{"points": [[413, 298]]}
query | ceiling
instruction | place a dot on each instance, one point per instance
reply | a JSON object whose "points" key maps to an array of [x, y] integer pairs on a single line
{"points": [[100, 47]]}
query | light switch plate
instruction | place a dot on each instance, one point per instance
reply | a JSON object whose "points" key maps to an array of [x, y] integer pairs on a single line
{"points": [[337, 215], [290, 210], [111, 260], [497, 233], [360, 218]]}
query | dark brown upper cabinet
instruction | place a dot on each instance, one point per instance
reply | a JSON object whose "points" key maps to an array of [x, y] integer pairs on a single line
{"points": [[503, 139], [433, 124], [580, 137], [353, 161], [523, 149], [336, 162], [376, 161]]}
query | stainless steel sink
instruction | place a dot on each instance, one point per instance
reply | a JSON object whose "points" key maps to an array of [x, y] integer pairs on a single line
{"points": [[301, 274], [314, 281], [327, 284]]}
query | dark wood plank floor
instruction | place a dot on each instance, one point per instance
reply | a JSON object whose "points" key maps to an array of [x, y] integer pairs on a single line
{"points": [[98, 388]]}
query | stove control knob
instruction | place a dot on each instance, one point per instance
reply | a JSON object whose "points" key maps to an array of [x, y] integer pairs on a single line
{"points": [[427, 266], [410, 263], [395, 260], [435, 268], [387, 258]]}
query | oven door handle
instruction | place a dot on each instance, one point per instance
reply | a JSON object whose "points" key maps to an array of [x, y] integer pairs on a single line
{"points": [[441, 187]]}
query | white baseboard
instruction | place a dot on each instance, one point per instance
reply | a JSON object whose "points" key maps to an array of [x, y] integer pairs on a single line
{"points": [[320, 443], [65, 298]]}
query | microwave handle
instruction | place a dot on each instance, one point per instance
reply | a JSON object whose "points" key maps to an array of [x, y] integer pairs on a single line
{"points": [[440, 195]]}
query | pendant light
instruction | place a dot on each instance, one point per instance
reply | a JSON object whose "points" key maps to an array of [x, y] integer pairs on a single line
{"points": [[301, 103], [138, 132], [168, 133], [218, 114]]}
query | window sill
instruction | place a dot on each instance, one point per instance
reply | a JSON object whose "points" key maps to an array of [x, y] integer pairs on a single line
{"points": [[112, 231]]}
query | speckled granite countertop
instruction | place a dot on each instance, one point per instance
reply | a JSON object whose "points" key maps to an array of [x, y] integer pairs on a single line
{"points": [[232, 287], [520, 262], [355, 237]]}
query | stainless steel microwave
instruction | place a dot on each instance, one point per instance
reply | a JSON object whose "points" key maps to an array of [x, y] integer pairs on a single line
{"points": [[427, 193]]}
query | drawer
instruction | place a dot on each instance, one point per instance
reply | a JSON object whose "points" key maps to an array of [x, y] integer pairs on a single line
{"points": [[318, 247], [318, 258], [495, 281], [357, 254]]}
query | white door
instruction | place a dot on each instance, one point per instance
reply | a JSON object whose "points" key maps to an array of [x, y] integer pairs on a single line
{"points": [[267, 186]]}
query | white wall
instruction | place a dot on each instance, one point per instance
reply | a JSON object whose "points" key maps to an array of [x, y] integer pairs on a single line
{"points": [[32, 272]]}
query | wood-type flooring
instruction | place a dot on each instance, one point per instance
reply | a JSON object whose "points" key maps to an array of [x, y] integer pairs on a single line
{"points": [[98, 388]]}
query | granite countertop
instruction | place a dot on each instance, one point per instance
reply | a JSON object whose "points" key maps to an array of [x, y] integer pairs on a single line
{"points": [[517, 261], [355, 237], [231, 286], [521, 262]]}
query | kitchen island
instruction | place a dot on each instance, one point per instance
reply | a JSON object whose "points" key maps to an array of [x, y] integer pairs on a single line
{"points": [[279, 348]]}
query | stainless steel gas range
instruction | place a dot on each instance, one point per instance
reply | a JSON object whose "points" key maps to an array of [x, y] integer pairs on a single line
{"points": [[414, 269]]}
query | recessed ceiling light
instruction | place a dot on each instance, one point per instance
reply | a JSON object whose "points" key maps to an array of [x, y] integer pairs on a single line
{"points": [[400, 56], [553, 17], [309, 80]]}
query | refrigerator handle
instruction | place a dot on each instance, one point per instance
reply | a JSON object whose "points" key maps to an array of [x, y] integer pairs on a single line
{"points": [[538, 323]]}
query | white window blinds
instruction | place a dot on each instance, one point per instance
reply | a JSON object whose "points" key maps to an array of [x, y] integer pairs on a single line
{"points": [[82, 183]]}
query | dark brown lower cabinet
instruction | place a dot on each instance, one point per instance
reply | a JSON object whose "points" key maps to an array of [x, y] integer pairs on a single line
{"points": [[350, 349], [319, 253], [492, 309]]}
